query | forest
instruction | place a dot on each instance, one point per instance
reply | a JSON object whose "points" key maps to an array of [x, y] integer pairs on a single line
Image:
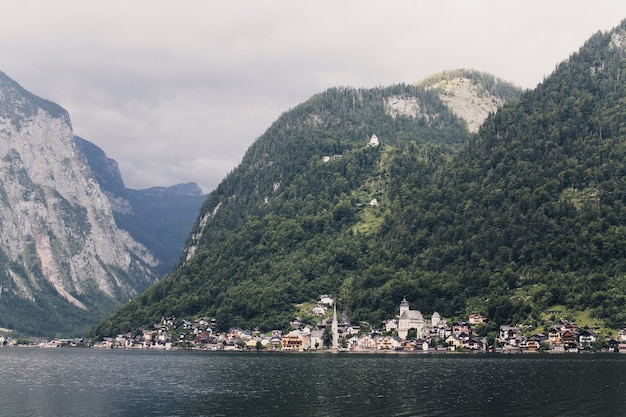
{"points": [[528, 213]]}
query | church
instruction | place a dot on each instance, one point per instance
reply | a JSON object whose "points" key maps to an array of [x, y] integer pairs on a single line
{"points": [[413, 319]]}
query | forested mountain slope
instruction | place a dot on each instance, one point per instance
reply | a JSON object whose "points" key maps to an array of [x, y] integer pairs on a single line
{"points": [[532, 212], [304, 212]]}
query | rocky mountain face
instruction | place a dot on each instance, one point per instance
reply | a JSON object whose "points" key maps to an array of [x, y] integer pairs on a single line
{"points": [[160, 218], [63, 260], [470, 94]]}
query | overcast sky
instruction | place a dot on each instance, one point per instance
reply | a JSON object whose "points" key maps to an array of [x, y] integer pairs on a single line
{"points": [[176, 91]]}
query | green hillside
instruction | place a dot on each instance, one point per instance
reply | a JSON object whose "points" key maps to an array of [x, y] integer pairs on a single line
{"points": [[528, 213]]}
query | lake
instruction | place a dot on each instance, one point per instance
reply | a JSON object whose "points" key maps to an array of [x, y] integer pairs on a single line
{"points": [[79, 382]]}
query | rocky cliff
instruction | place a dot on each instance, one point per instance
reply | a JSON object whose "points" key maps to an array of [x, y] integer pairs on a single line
{"points": [[470, 94], [61, 252]]}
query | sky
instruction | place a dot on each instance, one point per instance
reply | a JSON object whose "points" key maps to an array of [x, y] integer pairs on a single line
{"points": [[177, 90]]}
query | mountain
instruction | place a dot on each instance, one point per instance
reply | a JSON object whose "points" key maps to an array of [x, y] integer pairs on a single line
{"points": [[63, 261], [160, 218], [309, 209]]}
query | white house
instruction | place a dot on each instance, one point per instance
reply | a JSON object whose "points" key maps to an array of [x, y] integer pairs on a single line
{"points": [[391, 325], [326, 300], [373, 141], [318, 310]]}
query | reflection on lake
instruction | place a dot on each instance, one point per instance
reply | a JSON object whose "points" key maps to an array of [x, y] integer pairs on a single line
{"points": [[77, 382]]}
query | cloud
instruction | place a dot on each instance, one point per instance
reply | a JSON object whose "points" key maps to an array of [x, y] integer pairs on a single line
{"points": [[176, 91]]}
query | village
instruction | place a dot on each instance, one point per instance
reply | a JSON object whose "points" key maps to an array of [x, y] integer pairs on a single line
{"points": [[409, 331]]}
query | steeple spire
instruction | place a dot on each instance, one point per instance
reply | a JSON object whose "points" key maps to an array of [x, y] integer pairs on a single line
{"points": [[335, 328]]}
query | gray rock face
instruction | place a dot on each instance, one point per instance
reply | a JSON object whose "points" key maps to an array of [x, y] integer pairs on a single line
{"points": [[56, 224]]}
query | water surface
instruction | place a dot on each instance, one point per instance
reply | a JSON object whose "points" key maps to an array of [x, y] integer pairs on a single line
{"points": [[78, 382]]}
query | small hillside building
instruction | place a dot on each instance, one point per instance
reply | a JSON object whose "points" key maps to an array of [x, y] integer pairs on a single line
{"points": [[373, 141]]}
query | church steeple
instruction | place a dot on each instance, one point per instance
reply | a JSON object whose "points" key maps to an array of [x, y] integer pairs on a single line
{"points": [[335, 328], [404, 306]]}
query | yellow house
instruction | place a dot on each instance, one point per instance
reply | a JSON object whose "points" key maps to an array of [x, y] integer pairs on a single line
{"points": [[295, 341]]}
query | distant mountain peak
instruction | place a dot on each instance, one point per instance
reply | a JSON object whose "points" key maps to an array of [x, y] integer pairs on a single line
{"points": [[188, 189]]}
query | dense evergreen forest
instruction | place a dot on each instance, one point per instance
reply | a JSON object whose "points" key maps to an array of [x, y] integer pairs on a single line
{"points": [[526, 214]]}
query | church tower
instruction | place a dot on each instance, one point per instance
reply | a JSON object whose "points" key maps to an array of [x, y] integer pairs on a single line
{"points": [[335, 328], [404, 306]]}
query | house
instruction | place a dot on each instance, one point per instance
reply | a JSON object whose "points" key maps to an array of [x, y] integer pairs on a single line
{"points": [[508, 334], [477, 319], [390, 325], [230, 345], [275, 343], [453, 342], [373, 141], [318, 310], [474, 344], [352, 330], [409, 345], [587, 337], [389, 343], [294, 341], [252, 343], [366, 343], [569, 336], [533, 344], [296, 323], [554, 336], [614, 346], [326, 300], [460, 327]]}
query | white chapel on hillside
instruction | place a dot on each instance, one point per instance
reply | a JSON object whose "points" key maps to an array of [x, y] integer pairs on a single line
{"points": [[373, 141]]}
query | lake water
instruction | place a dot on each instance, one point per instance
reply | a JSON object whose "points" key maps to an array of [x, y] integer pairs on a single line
{"points": [[80, 382]]}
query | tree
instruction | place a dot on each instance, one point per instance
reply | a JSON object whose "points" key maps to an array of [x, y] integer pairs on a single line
{"points": [[411, 334], [327, 338]]}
